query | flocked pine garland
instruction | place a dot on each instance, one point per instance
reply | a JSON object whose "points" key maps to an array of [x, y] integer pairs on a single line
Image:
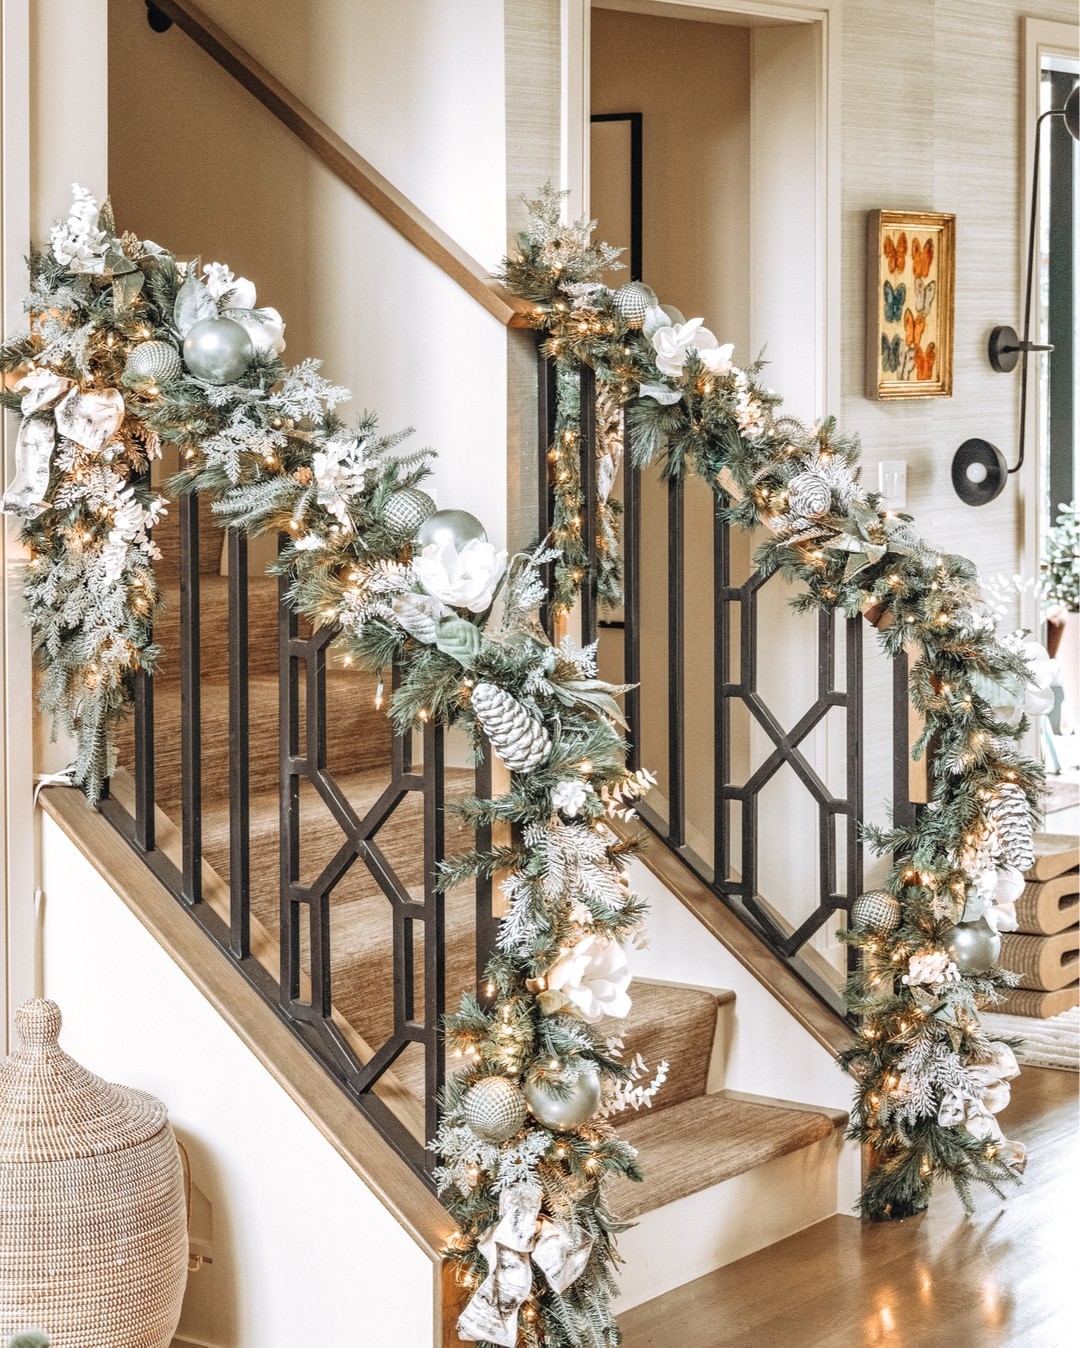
{"points": [[526, 1141], [928, 1081], [103, 386]]}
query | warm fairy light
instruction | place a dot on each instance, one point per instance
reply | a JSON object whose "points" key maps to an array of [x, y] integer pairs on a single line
{"points": [[925, 1167], [895, 581], [424, 713], [554, 1065]]}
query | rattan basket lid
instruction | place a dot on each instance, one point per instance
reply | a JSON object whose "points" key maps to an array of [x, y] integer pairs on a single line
{"points": [[53, 1109]]}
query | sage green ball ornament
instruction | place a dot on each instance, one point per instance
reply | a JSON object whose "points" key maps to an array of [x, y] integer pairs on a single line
{"points": [[154, 360], [450, 526], [218, 350], [974, 946], [565, 1111]]}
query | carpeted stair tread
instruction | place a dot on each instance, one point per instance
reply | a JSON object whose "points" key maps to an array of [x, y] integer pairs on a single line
{"points": [[214, 628], [702, 1142], [361, 734], [167, 537], [1049, 906], [675, 1023]]}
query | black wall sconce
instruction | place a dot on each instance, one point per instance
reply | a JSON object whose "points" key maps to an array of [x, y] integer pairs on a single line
{"points": [[979, 472]]}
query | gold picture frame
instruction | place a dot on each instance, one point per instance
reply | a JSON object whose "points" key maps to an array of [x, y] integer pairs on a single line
{"points": [[911, 269]]}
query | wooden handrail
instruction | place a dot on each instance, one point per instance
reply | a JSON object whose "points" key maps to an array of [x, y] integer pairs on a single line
{"points": [[342, 160]]}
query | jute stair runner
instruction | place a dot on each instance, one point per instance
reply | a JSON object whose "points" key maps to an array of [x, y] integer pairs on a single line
{"points": [[1045, 951], [700, 1139]]}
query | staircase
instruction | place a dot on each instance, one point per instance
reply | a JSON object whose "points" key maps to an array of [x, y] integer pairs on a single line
{"points": [[727, 1172]]}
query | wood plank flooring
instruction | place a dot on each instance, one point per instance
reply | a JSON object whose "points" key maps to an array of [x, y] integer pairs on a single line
{"points": [[1006, 1277]]}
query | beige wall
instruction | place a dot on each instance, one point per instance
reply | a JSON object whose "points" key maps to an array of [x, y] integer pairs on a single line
{"points": [[418, 90]]}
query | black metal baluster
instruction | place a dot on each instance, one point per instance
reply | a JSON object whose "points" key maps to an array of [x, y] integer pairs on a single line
{"points": [[144, 761], [721, 695], [487, 924], [631, 544], [587, 469], [826, 693], [546, 400], [676, 673], [855, 773], [190, 701], [289, 801], [903, 808], [434, 923], [239, 719]]}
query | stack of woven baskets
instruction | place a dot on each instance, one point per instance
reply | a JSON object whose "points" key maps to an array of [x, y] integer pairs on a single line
{"points": [[93, 1220], [1045, 951]]}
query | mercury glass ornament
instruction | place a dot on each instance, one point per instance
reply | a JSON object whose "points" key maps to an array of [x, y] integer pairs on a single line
{"points": [[450, 526], [974, 946], [568, 1110], [875, 911], [494, 1108], [406, 509], [154, 360], [218, 350], [631, 300]]}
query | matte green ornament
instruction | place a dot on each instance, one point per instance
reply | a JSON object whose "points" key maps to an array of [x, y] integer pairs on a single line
{"points": [[450, 526], [974, 946], [218, 350], [565, 1111]]}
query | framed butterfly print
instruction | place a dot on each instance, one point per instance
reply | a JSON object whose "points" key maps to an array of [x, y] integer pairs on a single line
{"points": [[911, 265]]}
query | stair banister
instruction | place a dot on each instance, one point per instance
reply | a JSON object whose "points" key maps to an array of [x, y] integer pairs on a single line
{"points": [[343, 161]]}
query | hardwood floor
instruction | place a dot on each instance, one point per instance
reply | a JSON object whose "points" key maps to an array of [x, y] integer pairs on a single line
{"points": [[1006, 1277]]}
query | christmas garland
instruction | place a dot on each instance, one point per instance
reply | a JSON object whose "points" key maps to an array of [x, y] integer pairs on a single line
{"points": [[928, 1080], [526, 1141]]}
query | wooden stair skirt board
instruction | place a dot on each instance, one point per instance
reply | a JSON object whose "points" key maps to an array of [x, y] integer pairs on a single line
{"points": [[1049, 906], [1044, 963], [1040, 1005], [1055, 853]]}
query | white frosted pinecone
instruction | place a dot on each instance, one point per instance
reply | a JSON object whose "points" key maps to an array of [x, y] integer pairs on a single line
{"points": [[1009, 813], [809, 494], [518, 738]]}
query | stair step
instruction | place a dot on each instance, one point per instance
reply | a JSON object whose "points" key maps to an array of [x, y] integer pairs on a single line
{"points": [[361, 734], [673, 1023], [701, 1142], [167, 537], [214, 628]]}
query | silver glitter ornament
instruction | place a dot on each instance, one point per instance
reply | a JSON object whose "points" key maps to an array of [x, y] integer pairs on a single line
{"points": [[218, 350], [974, 946], [494, 1108], [631, 301], [450, 526], [406, 509], [875, 911], [565, 1111], [809, 494], [519, 739], [154, 360]]}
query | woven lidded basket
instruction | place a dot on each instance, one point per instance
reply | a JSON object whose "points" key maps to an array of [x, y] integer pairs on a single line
{"points": [[93, 1224]]}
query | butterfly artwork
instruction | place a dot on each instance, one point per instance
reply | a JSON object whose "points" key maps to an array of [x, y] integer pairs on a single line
{"points": [[914, 327], [924, 292], [906, 363], [924, 361], [922, 255], [895, 250], [894, 301], [890, 354]]}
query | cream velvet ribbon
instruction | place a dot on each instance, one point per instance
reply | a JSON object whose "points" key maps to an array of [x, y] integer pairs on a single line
{"points": [[990, 1081]]}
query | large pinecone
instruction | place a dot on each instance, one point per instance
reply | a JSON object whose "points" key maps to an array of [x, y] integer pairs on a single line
{"points": [[518, 738], [1010, 815]]}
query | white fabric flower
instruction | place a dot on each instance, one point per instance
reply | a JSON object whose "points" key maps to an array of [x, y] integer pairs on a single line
{"points": [[265, 327], [338, 468], [570, 796], [593, 976], [78, 243], [996, 892], [465, 579], [931, 968], [674, 343]]}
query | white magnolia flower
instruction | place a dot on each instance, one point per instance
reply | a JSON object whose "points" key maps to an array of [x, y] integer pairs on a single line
{"points": [[570, 796], [465, 579], [998, 890], [265, 327], [674, 343], [931, 967], [593, 976]]}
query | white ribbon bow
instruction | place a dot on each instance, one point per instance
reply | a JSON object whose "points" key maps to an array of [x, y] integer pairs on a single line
{"points": [[519, 1239], [987, 1093]]}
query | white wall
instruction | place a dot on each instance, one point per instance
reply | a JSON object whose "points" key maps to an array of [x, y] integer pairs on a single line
{"points": [[303, 1252], [418, 90]]}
